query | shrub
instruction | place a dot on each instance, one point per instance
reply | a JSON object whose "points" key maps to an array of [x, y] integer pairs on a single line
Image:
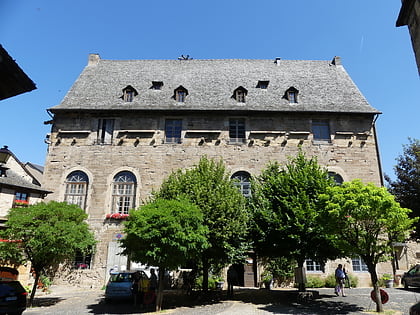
{"points": [[330, 281], [314, 282]]}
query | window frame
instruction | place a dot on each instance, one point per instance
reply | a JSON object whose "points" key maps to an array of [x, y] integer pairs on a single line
{"points": [[157, 85], [237, 130], [173, 127], [129, 93], [124, 185], [180, 94], [337, 178], [76, 188], [314, 266], [263, 84], [359, 264], [105, 131], [242, 180], [292, 95], [240, 94], [321, 130]]}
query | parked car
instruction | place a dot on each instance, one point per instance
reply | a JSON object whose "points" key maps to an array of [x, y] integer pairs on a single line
{"points": [[411, 278], [12, 297], [415, 309], [120, 285]]}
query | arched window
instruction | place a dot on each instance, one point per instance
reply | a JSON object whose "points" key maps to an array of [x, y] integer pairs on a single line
{"points": [[336, 177], [76, 188], [242, 181], [123, 192]]}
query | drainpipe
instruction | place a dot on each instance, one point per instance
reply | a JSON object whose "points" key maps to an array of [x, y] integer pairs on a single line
{"points": [[377, 150]]}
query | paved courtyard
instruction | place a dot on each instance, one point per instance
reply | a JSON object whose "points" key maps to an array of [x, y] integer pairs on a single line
{"points": [[72, 301]]}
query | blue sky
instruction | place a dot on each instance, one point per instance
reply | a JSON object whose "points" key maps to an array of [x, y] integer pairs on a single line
{"points": [[51, 40]]}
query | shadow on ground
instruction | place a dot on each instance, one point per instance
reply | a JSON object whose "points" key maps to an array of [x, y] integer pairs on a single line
{"points": [[45, 301], [274, 301]]}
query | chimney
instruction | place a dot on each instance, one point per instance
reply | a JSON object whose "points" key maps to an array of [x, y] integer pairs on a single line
{"points": [[93, 59], [336, 61], [277, 60]]}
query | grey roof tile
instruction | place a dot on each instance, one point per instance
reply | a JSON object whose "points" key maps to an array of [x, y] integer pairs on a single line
{"points": [[322, 85]]}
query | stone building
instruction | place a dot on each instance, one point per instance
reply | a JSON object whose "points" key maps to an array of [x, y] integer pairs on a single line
{"points": [[125, 125], [19, 188], [410, 15]]}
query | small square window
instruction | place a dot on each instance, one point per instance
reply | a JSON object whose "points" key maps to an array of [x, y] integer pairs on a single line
{"points": [[240, 96], [157, 85], [262, 84]]}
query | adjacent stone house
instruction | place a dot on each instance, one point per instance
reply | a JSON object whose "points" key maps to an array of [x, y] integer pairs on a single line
{"points": [[19, 188], [125, 125]]}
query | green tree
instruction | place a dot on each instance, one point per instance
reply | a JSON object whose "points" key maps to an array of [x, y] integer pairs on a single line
{"points": [[368, 220], [406, 187], [208, 186], [164, 233], [51, 233], [288, 221]]}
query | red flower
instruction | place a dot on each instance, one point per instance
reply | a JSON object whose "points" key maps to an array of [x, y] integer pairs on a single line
{"points": [[117, 216]]}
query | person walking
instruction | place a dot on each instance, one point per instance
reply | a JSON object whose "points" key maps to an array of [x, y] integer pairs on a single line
{"points": [[339, 279]]}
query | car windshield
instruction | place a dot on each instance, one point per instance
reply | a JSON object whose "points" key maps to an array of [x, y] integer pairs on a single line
{"points": [[121, 277]]}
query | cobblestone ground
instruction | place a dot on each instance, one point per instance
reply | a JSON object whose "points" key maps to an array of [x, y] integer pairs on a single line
{"points": [[63, 301]]}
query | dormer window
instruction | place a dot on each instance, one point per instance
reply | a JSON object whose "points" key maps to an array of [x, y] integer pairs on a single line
{"points": [[156, 85], [129, 93], [240, 94], [180, 94], [291, 95], [262, 84]]}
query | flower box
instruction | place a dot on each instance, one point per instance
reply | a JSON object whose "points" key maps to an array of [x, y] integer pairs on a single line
{"points": [[117, 216], [21, 203]]}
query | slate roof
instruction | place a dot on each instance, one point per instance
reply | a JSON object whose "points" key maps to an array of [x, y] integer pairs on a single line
{"points": [[13, 179], [13, 81], [324, 86]]}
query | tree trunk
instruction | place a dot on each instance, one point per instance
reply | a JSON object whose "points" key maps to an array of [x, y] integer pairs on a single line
{"points": [[302, 286], [205, 274], [255, 268], [159, 295], [31, 299], [374, 279]]}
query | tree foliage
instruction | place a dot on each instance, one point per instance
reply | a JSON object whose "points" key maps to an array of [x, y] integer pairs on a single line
{"points": [[406, 187], [51, 233], [368, 220], [209, 186], [165, 233], [288, 221]]}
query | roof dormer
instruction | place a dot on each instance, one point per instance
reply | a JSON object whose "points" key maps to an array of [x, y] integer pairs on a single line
{"points": [[180, 94], [129, 93], [291, 95], [239, 94]]}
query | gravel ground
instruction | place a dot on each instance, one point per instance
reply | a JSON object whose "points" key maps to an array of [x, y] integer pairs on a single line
{"points": [[67, 300]]}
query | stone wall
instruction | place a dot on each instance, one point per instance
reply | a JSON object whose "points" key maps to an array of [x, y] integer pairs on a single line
{"points": [[138, 146]]}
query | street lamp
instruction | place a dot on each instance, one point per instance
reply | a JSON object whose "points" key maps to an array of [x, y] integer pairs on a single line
{"points": [[4, 157], [4, 154]]}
